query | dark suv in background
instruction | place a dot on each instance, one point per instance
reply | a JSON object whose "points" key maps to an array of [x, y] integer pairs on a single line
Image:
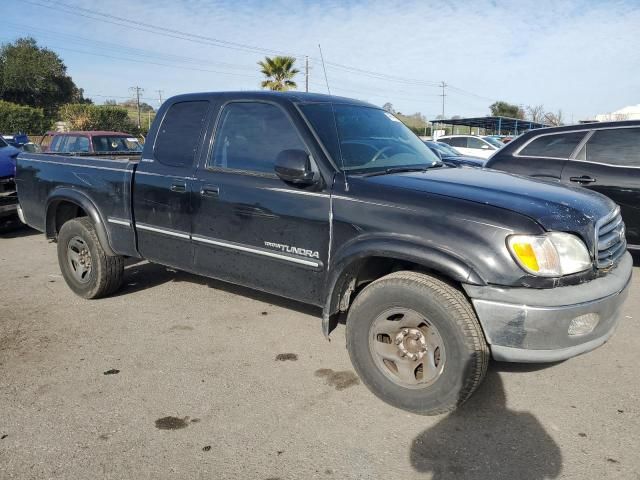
{"points": [[601, 156]]}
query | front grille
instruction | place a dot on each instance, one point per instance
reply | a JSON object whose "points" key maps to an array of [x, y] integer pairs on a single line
{"points": [[610, 239]]}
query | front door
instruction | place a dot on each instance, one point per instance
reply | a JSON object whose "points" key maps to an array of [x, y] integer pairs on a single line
{"points": [[249, 226], [609, 163], [164, 185]]}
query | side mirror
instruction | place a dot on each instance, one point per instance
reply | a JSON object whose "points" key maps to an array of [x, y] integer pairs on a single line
{"points": [[485, 147], [294, 166]]}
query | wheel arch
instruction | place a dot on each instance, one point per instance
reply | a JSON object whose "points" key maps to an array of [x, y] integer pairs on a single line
{"points": [[362, 262], [65, 204]]}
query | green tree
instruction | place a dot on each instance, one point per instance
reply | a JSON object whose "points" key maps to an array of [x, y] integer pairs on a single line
{"points": [[278, 72], [34, 76], [504, 109], [144, 107], [80, 116], [19, 118]]}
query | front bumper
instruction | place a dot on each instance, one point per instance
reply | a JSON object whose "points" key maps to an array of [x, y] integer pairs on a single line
{"points": [[532, 325]]}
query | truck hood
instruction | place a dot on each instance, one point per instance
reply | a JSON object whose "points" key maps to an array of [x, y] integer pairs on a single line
{"points": [[554, 206]]}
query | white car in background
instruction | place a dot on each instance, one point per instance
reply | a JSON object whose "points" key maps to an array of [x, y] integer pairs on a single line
{"points": [[472, 145]]}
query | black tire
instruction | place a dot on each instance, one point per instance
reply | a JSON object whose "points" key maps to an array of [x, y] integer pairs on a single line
{"points": [[106, 272], [467, 353]]}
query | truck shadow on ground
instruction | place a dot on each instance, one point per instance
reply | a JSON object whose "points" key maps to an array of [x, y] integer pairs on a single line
{"points": [[485, 439], [141, 275], [16, 229]]}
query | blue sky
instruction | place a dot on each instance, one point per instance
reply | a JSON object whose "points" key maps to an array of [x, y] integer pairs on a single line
{"points": [[576, 55]]}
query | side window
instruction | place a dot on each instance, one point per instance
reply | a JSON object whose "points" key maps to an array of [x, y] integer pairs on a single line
{"points": [[180, 132], [445, 140], [619, 146], [81, 145], [560, 145], [250, 136], [55, 144], [476, 143], [458, 142], [68, 143]]}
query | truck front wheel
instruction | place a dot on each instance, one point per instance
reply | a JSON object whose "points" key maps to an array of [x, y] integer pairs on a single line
{"points": [[416, 343], [85, 266]]}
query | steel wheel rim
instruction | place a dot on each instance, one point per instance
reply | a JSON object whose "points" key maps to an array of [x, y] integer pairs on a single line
{"points": [[79, 259], [407, 348]]}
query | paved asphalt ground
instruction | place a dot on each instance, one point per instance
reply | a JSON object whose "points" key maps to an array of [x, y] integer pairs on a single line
{"points": [[179, 376]]}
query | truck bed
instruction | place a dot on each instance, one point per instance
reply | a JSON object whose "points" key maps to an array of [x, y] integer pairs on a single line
{"points": [[100, 181]]}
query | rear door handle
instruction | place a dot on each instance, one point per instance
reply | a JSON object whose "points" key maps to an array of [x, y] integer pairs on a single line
{"points": [[179, 187], [209, 191], [583, 179]]}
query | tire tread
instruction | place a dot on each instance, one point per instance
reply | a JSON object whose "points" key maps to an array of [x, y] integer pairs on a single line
{"points": [[464, 317]]}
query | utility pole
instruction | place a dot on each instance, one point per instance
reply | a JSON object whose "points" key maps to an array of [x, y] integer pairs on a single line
{"points": [[443, 85], [306, 73], [138, 91], [159, 97]]}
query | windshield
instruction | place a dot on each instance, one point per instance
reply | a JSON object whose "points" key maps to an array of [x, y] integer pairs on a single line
{"points": [[366, 139], [444, 149], [494, 141], [112, 143], [3, 143]]}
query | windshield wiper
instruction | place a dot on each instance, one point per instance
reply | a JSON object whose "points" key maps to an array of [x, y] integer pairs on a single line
{"points": [[391, 170]]}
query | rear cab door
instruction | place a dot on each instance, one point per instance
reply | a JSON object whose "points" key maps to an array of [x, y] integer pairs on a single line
{"points": [[164, 183], [608, 161]]}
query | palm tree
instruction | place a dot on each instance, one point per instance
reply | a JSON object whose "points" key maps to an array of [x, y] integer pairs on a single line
{"points": [[278, 72]]}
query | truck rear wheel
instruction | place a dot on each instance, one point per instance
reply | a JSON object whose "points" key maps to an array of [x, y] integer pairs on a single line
{"points": [[416, 343], [85, 266]]}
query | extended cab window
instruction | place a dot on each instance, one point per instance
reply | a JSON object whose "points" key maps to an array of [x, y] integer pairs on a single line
{"points": [[619, 146], [560, 145], [180, 132], [250, 136]]}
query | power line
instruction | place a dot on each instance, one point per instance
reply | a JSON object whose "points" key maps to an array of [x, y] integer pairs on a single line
{"points": [[150, 28], [158, 30], [187, 36], [119, 48]]}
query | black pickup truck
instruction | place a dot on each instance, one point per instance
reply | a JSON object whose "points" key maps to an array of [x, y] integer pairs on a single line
{"points": [[334, 202]]}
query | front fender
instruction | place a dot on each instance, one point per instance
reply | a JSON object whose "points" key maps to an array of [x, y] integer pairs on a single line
{"points": [[83, 201], [348, 258]]}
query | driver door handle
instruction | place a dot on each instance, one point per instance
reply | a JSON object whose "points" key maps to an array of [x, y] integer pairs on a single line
{"points": [[582, 179], [209, 191], [179, 187]]}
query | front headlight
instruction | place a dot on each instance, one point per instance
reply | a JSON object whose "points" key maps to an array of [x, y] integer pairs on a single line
{"points": [[550, 255]]}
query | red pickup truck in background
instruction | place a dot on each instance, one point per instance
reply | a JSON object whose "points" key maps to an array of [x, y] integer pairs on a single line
{"points": [[90, 142]]}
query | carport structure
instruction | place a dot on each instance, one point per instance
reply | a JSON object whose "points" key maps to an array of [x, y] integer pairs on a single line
{"points": [[493, 125]]}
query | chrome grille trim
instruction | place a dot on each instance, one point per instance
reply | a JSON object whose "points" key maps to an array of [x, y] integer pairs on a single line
{"points": [[610, 243]]}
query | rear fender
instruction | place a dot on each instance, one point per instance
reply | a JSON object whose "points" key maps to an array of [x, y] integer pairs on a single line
{"points": [[83, 201]]}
